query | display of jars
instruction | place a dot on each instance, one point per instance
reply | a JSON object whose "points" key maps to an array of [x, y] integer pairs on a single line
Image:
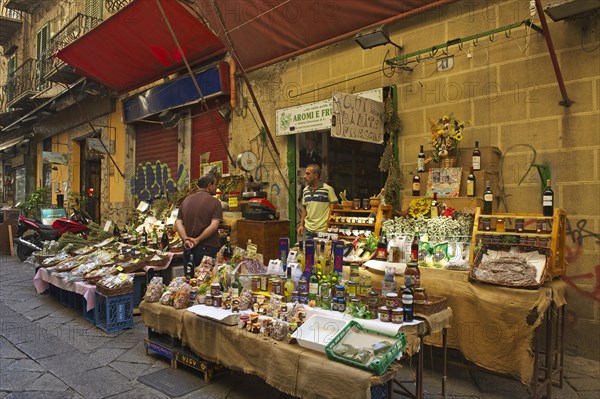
{"points": [[208, 300], [217, 300], [303, 297], [351, 288], [412, 275], [391, 300], [256, 283], [365, 285], [384, 314], [215, 289], [397, 316]]}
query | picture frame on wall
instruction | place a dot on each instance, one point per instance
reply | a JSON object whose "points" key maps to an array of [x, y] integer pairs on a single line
{"points": [[444, 181]]}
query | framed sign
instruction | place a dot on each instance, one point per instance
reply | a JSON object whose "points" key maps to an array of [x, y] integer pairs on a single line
{"points": [[211, 166], [444, 181]]}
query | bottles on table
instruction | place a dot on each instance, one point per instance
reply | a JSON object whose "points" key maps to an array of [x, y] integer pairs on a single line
{"points": [[421, 161], [435, 210], [548, 199], [313, 285], [381, 253], [144, 241], [189, 267], [154, 239], [288, 286], [408, 298], [488, 199], [476, 160], [164, 239], [236, 285], [300, 256], [125, 235], [416, 185], [414, 248], [471, 183], [228, 251], [116, 232], [135, 237]]}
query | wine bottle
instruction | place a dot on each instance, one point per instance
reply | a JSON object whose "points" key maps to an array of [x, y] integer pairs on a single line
{"points": [[408, 299], [476, 160], [227, 252], [548, 199], [488, 199], [288, 287], [144, 237], [471, 183], [154, 239], [135, 237], [434, 211], [414, 248], [189, 267], [313, 285], [236, 285], [421, 161], [382, 252], [164, 239], [416, 185], [125, 235], [300, 256], [116, 232]]}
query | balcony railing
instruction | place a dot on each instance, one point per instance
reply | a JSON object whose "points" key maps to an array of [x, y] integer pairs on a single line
{"points": [[112, 6], [22, 81], [74, 29]]}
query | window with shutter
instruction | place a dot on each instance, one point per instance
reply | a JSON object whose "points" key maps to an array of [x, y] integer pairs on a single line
{"points": [[43, 44], [10, 78], [93, 8]]}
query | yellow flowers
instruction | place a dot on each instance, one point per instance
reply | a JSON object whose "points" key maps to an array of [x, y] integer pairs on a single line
{"points": [[446, 134], [419, 207]]}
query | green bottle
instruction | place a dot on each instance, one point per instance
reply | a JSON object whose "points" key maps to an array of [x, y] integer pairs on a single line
{"points": [[313, 285]]}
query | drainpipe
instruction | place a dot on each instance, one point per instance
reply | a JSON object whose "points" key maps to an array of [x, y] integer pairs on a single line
{"points": [[566, 101]]}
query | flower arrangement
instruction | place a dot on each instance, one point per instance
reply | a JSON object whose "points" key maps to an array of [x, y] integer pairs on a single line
{"points": [[457, 227], [446, 134]]}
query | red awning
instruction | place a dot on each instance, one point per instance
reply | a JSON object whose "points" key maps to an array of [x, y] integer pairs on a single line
{"points": [[135, 47], [263, 32]]}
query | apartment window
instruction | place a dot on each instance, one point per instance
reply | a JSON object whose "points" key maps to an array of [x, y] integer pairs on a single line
{"points": [[43, 46]]}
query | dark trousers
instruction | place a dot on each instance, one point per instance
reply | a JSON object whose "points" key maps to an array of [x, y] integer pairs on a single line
{"points": [[198, 252]]}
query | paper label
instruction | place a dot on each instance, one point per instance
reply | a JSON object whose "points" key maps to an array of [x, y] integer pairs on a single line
{"points": [[107, 226]]}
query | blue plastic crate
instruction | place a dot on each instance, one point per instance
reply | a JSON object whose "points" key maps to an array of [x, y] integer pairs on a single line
{"points": [[67, 298], [81, 306], [139, 289], [54, 291], [113, 313], [379, 391]]}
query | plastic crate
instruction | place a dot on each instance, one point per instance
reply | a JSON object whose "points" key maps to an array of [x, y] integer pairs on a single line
{"points": [[67, 298], [379, 391], [113, 313], [139, 288], [358, 336], [81, 307], [54, 291]]}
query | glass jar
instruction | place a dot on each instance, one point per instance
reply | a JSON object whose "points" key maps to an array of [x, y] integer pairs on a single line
{"points": [[397, 316], [373, 300], [352, 288], [215, 289], [420, 296], [255, 283], [519, 225], [325, 290], [334, 304], [365, 285], [354, 274], [276, 286], [295, 296], [356, 203], [412, 275], [326, 302], [384, 314], [340, 291], [341, 304], [208, 300], [303, 297], [500, 225], [486, 224], [264, 282], [391, 300], [302, 285], [217, 300]]}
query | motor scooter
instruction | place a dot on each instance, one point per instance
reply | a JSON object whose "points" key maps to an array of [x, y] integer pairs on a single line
{"points": [[32, 233]]}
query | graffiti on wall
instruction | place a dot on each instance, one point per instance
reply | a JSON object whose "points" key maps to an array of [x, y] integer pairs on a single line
{"points": [[575, 236], [154, 180]]}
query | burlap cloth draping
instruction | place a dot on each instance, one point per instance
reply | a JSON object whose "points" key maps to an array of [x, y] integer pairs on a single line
{"points": [[492, 326], [288, 367], [163, 319]]}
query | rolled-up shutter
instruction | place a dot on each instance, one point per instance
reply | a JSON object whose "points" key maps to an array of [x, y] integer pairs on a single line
{"points": [[206, 129], [156, 160]]}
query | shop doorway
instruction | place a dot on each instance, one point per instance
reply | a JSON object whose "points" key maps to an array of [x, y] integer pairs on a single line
{"points": [[91, 181]]}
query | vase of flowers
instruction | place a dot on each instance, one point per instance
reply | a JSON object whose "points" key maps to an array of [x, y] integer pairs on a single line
{"points": [[446, 135]]}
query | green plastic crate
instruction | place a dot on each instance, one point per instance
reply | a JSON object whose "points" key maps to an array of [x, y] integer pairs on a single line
{"points": [[380, 363]]}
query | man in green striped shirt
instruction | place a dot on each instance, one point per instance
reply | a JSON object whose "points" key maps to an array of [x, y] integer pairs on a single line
{"points": [[316, 198]]}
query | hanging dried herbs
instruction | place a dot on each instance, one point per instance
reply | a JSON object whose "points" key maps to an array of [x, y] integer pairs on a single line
{"points": [[388, 163]]}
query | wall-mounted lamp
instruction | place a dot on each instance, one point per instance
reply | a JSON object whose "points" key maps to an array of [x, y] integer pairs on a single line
{"points": [[374, 37], [225, 112]]}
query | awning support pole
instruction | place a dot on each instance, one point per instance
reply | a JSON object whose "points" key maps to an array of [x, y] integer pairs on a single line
{"points": [[189, 69], [566, 101]]}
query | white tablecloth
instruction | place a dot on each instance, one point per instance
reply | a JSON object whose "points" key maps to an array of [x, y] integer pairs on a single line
{"points": [[43, 279]]}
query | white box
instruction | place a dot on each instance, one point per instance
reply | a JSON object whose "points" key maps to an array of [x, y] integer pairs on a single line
{"points": [[316, 332]]}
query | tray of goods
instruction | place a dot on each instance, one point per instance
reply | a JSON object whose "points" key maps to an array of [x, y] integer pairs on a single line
{"points": [[93, 276], [130, 266], [83, 251], [433, 304], [158, 259], [67, 264], [55, 259], [364, 348], [514, 266], [114, 285]]}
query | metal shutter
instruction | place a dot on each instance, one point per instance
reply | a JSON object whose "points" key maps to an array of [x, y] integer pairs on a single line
{"points": [[155, 159], [205, 130]]}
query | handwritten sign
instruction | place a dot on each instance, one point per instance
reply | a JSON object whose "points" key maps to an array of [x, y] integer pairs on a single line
{"points": [[357, 118]]}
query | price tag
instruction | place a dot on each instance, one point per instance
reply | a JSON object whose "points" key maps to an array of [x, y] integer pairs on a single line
{"points": [[233, 202], [123, 276], [107, 226], [292, 256], [119, 268], [143, 206]]}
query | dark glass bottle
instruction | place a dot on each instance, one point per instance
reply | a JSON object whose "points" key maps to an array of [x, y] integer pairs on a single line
{"points": [[548, 199], [414, 248], [476, 160], [144, 237], [227, 252], [164, 239], [416, 185], [154, 239], [408, 299], [381, 253], [435, 210], [421, 161], [116, 232], [488, 199], [125, 235], [471, 183], [189, 267]]}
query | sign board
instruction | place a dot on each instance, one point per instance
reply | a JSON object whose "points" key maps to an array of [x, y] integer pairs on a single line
{"points": [[54, 157], [357, 118], [49, 215], [206, 167], [312, 116]]}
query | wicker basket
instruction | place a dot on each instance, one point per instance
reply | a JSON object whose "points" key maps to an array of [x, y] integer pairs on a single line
{"points": [[40, 258], [448, 162], [433, 305], [158, 263], [125, 289], [521, 248]]}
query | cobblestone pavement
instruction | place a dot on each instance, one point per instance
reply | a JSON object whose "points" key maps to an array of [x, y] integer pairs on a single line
{"points": [[49, 351]]}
